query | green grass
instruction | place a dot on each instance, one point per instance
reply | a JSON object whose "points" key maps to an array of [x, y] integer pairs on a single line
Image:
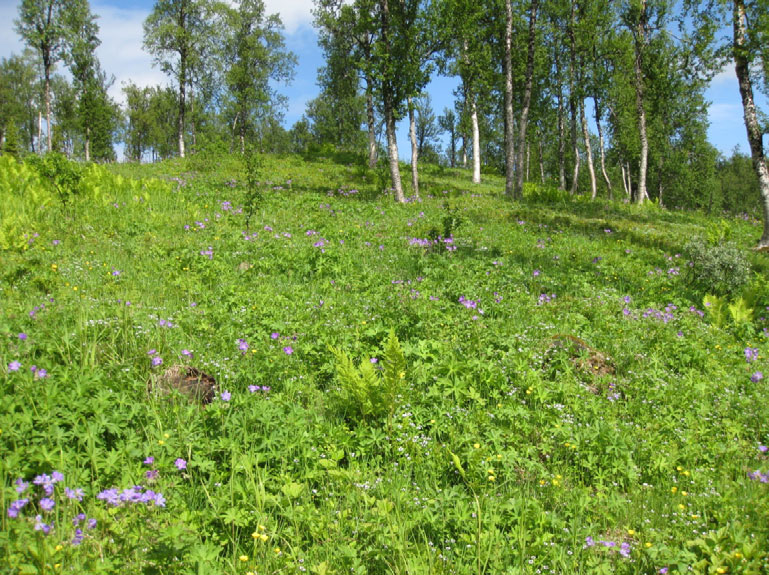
{"points": [[524, 427]]}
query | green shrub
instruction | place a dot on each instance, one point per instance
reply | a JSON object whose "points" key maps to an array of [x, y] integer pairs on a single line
{"points": [[719, 269]]}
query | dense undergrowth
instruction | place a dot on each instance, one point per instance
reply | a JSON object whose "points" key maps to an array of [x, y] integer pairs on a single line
{"points": [[456, 385]]}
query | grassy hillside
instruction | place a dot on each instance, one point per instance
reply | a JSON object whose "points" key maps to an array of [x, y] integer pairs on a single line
{"points": [[456, 385]]}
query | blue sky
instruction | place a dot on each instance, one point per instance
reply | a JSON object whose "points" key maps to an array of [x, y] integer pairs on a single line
{"points": [[121, 54]]}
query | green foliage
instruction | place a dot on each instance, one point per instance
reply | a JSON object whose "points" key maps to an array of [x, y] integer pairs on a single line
{"points": [[367, 394], [62, 175], [609, 410], [721, 268], [11, 146], [253, 166]]}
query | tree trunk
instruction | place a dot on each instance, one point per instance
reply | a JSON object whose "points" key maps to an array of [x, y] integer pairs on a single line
{"points": [[192, 122], [532, 37], [414, 149], [392, 150], [40, 132], [87, 144], [751, 120], [573, 98], [182, 105], [476, 142], [464, 151], [640, 41], [541, 159], [509, 116], [561, 126], [528, 158], [371, 124], [48, 108], [588, 150], [601, 147], [389, 109]]}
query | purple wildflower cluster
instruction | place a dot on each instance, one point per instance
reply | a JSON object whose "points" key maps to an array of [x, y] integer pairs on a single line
{"points": [[613, 394], [209, 253], [79, 535], [47, 503], [624, 546], [664, 316], [255, 388], [751, 354], [427, 243], [758, 476], [545, 298], [242, 346], [132, 495], [756, 377], [165, 323], [155, 359]]}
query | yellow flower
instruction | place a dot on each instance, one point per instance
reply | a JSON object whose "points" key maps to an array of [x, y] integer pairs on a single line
{"points": [[674, 489], [647, 544], [255, 535], [477, 445], [681, 506], [161, 442], [277, 550], [492, 478], [631, 532], [721, 570], [59, 548], [243, 558], [684, 493], [263, 537]]}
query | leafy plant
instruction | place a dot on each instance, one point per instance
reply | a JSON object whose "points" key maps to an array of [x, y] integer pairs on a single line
{"points": [[61, 174], [721, 269], [253, 166], [370, 392]]}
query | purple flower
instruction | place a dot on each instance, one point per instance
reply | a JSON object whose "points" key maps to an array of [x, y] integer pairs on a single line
{"points": [[14, 366], [46, 482], [535, 273], [187, 353], [21, 485], [47, 504], [751, 354], [288, 350], [624, 549], [156, 361], [589, 541], [149, 461], [153, 351], [374, 360], [243, 345], [78, 538], [274, 335], [761, 448], [180, 464], [226, 395], [41, 373], [22, 336], [16, 506], [756, 377], [74, 493], [92, 524], [253, 388], [152, 474], [626, 299], [78, 518], [663, 570], [55, 242], [40, 526]]}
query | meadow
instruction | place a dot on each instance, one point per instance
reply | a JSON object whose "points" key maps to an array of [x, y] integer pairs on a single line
{"points": [[459, 384]]}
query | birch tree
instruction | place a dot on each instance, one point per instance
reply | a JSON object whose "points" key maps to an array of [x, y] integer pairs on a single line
{"points": [[41, 24]]}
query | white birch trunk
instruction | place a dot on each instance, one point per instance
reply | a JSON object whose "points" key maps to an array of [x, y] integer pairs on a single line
{"points": [[751, 118], [509, 116], [476, 142], [588, 150], [414, 149]]}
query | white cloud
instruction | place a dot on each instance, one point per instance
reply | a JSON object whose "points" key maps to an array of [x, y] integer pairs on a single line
{"points": [[293, 13], [727, 75], [121, 53]]}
